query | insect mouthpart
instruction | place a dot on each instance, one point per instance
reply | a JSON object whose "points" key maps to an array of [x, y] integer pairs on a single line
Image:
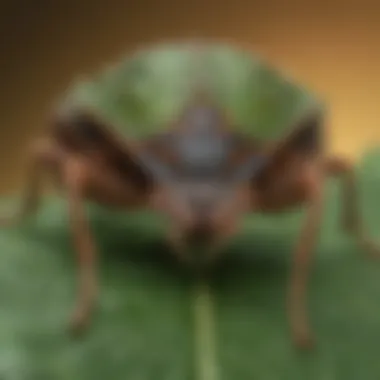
{"points": [[198, 242], [199, 234]]}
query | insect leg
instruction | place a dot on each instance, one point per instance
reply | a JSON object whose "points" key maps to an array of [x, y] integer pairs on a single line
{"points": [[75, 177], [300, 268], [42, 155], [351, 217]]}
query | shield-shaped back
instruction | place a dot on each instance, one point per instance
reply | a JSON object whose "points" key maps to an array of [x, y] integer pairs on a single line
{"points": [[144, 93]]}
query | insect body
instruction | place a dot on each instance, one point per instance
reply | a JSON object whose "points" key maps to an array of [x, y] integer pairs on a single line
{"points": [[203, 175]]}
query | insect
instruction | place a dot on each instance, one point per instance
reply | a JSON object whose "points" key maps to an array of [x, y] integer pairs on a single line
{"points": [[203, 174]]}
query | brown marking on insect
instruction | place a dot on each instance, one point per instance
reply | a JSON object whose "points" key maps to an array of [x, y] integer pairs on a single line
{"points": [[295, 176], [203, 176], [84, 160]]}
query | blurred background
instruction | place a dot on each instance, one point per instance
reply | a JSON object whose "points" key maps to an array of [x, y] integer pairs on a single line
{"points": [[332, 46]]}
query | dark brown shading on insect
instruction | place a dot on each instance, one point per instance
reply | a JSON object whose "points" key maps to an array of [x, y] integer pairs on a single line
{"points": [[203, 175], [85, 159], [295, 175]]}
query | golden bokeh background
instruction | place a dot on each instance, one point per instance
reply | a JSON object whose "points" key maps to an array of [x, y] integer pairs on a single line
{"points": [[331, 46]]}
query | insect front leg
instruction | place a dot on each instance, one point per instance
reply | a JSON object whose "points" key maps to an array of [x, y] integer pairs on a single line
{"points": [[300, 269], [42, 157], [75, 177], [351, 216], [45, 158]]}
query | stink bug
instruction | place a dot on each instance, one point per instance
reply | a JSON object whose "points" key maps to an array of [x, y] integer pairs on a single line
{"points": [[195, 160]]}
